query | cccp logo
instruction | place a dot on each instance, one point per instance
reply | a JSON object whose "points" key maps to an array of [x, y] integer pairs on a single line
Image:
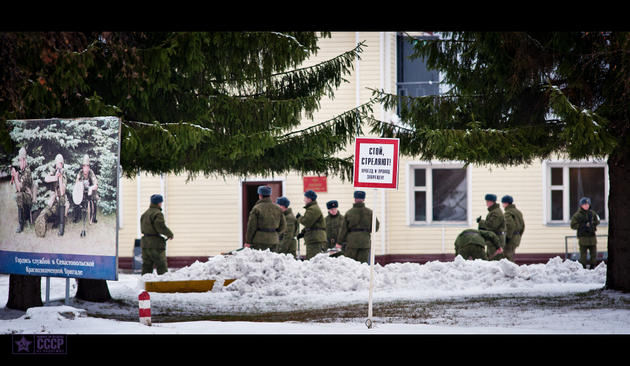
{"points": [[39, 344]]}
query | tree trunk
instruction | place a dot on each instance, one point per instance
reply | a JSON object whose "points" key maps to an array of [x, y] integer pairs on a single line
{"points": [[93, 290], [618, 267], [24, 292]]}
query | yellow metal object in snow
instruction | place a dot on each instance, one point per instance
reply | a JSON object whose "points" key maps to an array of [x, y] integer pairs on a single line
{"points": [[183, 286]]}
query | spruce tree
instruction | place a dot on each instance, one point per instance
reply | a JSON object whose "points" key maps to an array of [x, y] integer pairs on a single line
{"points": [[212, 103], [515, 96]]}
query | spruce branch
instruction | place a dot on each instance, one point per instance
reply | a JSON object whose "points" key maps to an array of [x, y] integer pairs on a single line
{"points": [[586, 132], [348, 55], [345, 116]]}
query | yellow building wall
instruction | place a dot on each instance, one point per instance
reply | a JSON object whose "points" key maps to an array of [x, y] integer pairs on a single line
{"points": [[205, 213], [524, 183]]}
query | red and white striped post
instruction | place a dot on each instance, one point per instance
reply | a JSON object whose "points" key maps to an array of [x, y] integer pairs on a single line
{"points": [[144, 304]]}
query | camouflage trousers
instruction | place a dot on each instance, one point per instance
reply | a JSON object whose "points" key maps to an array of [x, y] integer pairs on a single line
{"points": [[287, 247], [510, 247], [154, 257], [24, 202], [23, 199], [88, 205], [358, 254], [47, 212], [592, 252], [313, 249], [259, 246]]}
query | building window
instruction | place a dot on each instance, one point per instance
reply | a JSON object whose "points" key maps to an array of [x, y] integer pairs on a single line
{"points": [[439, 194], [567, 182], [413, 77]]}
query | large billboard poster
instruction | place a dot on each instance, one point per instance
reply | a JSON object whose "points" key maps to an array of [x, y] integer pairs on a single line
{"points": [[59, 199]]}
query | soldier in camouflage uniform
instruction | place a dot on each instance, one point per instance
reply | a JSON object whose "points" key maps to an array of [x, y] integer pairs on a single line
{"points": [[288, 243], [57, 203], [87, 179], [314, 232], [476, 244], [585, 221], [494, 221], [266, 222], [514, 226], [356, 229], [333, 224], [153, 226], [23, 181]]}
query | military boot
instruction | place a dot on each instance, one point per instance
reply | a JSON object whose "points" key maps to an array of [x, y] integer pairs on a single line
{"points": [[93, 213], [20, 221], [62, 221]]}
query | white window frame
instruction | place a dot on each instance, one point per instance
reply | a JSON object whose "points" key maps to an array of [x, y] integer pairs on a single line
{"points": [[442, 87], [547, 188], [428, 188]]}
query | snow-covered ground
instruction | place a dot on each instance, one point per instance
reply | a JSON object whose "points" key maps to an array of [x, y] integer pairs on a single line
{"points": [[269, 282]]}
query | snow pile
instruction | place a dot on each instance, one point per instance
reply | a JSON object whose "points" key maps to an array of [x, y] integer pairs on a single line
{"points": [[261, 274], [50, 313], [267, 282], [271, 274]]}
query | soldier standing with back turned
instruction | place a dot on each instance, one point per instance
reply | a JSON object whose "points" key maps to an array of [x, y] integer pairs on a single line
{"points": [[514, 226], [153, 226], [265, 223], [356, 229]]}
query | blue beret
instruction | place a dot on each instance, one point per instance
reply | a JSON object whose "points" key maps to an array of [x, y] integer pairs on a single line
{"points": [[264, 190], [359, 194], [283, 201], [507, 199], [584, 200], [311, 194], [491, 197], [156, 198], [332, 204]]}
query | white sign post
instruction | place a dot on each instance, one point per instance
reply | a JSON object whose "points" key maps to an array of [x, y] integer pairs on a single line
{"points": [[375, 166]]}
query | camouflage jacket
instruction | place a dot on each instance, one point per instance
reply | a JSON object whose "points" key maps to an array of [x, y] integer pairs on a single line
{"points": [[314, 224], [26, 180], [356, 227], [56, 185], [585, 222], [90, 179], [514, 223], [495, 221], [333, 225], [288, 236], [265, 223], [482, 238], [152, 225]]}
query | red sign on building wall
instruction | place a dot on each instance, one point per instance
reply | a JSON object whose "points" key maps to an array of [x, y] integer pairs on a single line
{"points": [[317, 184]]}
